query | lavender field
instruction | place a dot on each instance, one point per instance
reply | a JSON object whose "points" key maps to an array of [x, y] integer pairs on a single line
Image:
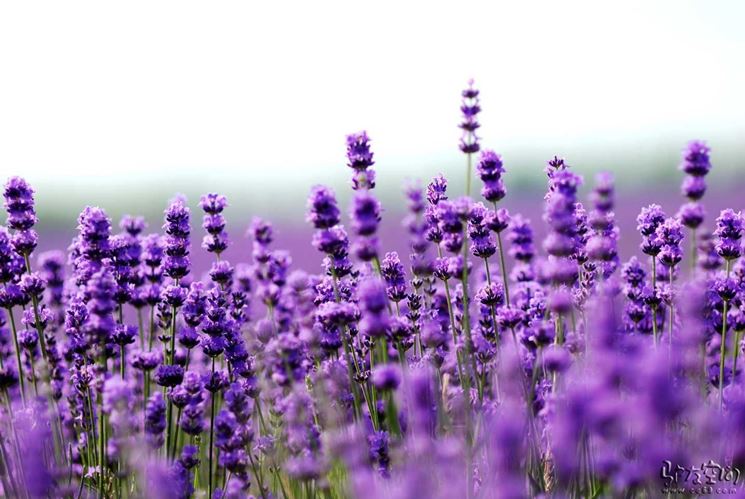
{"points": [[490, 348]]}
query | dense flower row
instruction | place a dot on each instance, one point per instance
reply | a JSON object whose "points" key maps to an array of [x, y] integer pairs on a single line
{"points": [[482, 364]]}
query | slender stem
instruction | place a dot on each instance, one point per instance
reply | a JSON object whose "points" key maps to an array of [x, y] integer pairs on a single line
{"points": [[347, 350], [212, 434], [723, 344], [672, 311], [694, 251], [257, 474], [468, 174], [140, 328], [172, 352], [169, 422], [654, 307], [174, 452], [722, 348], [122, 360], [559, 329], [172, 356], [21, 377], [449, 301], [101, 441], [93, 443], [735, 354], [151, 335], [37, 317], [502, 265], [5, 467]]}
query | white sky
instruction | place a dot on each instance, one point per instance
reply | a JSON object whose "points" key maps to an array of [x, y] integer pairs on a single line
{"points": [[111, 91]]}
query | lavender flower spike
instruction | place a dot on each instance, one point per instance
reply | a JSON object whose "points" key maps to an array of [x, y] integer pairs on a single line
{"points": [[360, 159]]}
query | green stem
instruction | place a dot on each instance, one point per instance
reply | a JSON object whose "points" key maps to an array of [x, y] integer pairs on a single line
{"points": [[140, 328], [502, 266], [723, 343], [101, 443], [169, 423], [468, 174], [152, 329], [37, 317], [694, 251], [175, 434], [212, 434], [654, 307], [735, 353], [352, 365], [672, 311], [21, 377], [257, 474]]}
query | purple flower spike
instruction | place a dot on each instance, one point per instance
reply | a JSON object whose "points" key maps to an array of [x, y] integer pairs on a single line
{"points": [[490, 170], [177, 228], [19, 203], [691, 214], [360, 159], [373, 305], [469, 142], [365, 214], [483, 245], [386, 377], [728, 233], [132, 225], [695, 160], [323, 211], [437, 190]]}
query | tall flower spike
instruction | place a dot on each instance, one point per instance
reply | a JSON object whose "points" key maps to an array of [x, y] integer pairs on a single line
{"points": [[696, 165], [728, 233], [19, 203], [365, 216], [177, 228], [602, 244], [323, 210], [216, 239], [360, 159], [490, 170], [469, 141]]}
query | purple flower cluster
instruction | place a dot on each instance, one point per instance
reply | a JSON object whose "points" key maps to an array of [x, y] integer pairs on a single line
{"points": [[696, 165], [360, 159], [481, 364]]}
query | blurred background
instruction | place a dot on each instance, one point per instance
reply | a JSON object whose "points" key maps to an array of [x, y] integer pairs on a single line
{"points": [[123, 105]]}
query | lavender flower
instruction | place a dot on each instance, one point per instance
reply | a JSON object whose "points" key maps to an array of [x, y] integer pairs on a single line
{"points": [[365, 215], [670, 234], [386, 377], [393, 274], [394, 372], [323, 211], [373, 303], [490, 170], [95, 230], [155, 420], [216, 240], [482, 242], [360, 159], [19, 204], [469, 142], [648, 221], [691, 215], [177, 230], [728, 233]]}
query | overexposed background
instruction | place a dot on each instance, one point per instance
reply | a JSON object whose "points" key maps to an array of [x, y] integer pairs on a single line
{"points": [[124, 104]]}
